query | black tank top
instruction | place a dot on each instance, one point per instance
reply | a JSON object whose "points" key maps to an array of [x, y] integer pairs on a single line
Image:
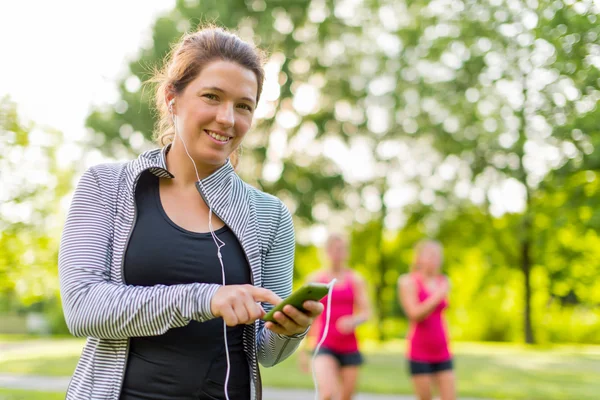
{"points": [[188, 362]]}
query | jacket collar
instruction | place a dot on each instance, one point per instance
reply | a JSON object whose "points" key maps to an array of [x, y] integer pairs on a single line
{"points": [[216, 188]]}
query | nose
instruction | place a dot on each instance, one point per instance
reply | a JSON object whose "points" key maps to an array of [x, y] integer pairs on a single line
{"points": [[225, 115]]}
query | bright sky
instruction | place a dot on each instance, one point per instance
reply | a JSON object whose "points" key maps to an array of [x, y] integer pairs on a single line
{"points": [[61, 56]]}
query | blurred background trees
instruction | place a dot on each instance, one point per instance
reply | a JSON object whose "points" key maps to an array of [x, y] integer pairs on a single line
{"points": [[471, 122], [36, 177]]}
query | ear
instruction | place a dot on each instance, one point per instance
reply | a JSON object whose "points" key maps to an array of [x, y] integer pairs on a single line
{"points": [[170, 99]]}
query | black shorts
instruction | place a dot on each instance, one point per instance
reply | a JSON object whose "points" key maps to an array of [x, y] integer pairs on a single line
{"points": [[418, 367], [344, 359]]}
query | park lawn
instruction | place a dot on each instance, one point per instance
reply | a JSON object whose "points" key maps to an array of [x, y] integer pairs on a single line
{"points": [[40, 356], [14, 337], [486, 370], [43, 366], [10, 394]]}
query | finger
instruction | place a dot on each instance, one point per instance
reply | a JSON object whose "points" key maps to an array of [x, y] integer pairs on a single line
{"points": [[264, 295], [275, 328], [287, 323], [260, 312], [240, 307], [229, 316], [314, 308], [297, 316], [253, 310]]}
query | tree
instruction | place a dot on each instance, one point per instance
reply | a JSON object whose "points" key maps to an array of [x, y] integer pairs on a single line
{"points": [[381, 110], [127, 125], [34, 178], [503, 92]]}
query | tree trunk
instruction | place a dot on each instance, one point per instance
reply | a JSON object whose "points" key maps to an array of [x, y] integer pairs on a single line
{"points": [[526, 268], [526, 229], [380, 283]]}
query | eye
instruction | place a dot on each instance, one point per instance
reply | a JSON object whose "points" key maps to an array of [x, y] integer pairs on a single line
{"points": [[245, 107], [211, 96]]}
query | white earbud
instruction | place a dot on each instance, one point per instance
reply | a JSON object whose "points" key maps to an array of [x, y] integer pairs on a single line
{"points": [[171, 105]]}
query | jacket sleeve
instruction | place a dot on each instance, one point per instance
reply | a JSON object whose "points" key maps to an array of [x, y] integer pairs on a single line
{"points": [[277, 276], [94, 305]]}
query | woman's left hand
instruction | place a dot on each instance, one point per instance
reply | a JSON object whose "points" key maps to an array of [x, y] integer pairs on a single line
{"points": [[293, 321]]}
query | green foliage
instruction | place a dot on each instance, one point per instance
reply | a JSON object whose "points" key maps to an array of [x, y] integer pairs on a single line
{"points": [[450, 100], [34, 181], [120, 126]]}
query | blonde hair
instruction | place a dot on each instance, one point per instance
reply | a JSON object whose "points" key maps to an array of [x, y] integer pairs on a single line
{"points": [[334, 237], [421, 246], [186, 61]]}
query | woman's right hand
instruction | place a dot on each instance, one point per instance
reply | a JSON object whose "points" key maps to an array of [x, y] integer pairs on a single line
{"points": [[239, 304], [442, 289]]}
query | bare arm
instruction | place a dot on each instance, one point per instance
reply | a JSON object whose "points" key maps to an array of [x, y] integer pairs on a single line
{"points": [[362, 305], [407, 293]]}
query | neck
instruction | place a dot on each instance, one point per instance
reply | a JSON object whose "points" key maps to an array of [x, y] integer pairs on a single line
{"points": [[182, 167], [427, 274], [336, 268]]}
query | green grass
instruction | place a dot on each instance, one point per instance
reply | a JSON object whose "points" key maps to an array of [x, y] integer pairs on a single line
{"points": [[9, 394], [40, 356], [503, 371], [45, 366]]}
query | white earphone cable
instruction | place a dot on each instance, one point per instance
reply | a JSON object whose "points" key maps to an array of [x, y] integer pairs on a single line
{"points": [[218, 242], [325, 331]]}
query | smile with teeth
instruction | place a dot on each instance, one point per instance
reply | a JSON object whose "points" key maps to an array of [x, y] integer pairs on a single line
{"points": [[218, 137]]}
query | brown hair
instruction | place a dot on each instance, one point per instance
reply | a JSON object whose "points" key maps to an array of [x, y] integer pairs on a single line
{"points": [[187, 59]]}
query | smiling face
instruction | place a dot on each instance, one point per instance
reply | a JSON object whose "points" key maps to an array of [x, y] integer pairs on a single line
{"points": [[215, 110]]}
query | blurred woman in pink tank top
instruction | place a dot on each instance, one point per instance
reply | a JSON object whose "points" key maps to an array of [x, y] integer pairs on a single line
{"points": [[338, 360], [423, 294]]}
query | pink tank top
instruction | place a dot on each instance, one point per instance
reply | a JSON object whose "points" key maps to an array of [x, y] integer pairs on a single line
{"points": [[342, 304], [428, 339]]}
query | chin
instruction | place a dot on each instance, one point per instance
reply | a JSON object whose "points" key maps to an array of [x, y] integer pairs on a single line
{"points": [[212, 157]]}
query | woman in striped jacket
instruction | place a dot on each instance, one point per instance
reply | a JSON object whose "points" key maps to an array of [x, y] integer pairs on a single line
{"points": [[167, 263]]}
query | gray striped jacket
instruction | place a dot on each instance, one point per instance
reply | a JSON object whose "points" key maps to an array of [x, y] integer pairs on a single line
{"points": [[99, 305]]}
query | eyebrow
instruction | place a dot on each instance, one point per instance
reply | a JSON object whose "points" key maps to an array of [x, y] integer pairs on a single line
{"points": [[218, 89]]}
